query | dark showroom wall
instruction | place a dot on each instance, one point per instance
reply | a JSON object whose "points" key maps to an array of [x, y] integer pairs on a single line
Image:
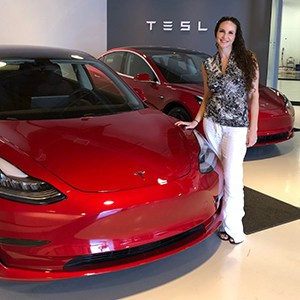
{"points": [[188, 24]]}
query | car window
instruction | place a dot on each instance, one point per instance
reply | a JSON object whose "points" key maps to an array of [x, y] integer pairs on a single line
{"points": [[68, 71], [179, 67], [114, 60], [54, 89], [134, 65]]}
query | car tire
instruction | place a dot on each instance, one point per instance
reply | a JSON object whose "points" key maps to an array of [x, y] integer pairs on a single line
{"points": [[180, 113]]}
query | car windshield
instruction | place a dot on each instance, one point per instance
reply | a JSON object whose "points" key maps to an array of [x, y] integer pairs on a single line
{"points": [[55, 89], [179, 66]]}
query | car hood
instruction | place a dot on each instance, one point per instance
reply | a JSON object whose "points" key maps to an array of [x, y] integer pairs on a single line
{"points": [[106, 153], [271, 103]]}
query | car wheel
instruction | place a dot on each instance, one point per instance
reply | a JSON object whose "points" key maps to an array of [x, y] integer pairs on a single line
{"points": [[180, 113]]}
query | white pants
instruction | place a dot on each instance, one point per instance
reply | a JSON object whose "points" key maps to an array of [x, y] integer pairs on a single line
{"points": [[229, 143]]}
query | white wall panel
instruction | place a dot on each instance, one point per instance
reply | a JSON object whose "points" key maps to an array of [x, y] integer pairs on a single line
{"points": [[290, 32], [78, 24]]}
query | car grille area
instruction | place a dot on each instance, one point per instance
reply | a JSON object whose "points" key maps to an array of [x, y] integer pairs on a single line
{"points": [[131, 255]]}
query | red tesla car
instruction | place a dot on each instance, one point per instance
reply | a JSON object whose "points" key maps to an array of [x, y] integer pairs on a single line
{"points": [[170, 79], [91, 179]]}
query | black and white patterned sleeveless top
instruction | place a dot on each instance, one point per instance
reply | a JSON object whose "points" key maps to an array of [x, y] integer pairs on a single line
{"points": [[228, 104]]}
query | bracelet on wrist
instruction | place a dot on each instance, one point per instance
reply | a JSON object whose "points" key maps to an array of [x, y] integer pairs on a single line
{"points": [[196, 121]]}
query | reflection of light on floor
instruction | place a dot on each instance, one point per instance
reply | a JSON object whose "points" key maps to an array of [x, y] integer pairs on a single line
{"points": [[275, 170]]}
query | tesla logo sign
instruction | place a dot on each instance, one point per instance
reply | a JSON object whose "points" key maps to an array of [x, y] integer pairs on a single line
{"points": [[183, 25]]}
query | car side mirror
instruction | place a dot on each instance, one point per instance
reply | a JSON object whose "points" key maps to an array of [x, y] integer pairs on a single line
{"points": [[142, 77]]}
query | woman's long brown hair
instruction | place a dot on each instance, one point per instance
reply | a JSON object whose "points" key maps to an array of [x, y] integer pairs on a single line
{"points": [[244, 58]]}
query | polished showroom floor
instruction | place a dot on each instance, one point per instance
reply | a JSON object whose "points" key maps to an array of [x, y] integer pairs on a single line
{"points": [[266, 266]]}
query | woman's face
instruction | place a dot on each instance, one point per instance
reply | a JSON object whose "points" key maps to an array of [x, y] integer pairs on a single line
{"points": [[225, 35]]}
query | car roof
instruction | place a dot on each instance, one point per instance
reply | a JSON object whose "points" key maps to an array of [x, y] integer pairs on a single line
{"points": [[163, 48], [39, 52]]}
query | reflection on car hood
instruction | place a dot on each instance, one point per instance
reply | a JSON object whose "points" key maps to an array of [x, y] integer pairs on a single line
{"points": [[270, 101], [191, 87], [116, 152]]}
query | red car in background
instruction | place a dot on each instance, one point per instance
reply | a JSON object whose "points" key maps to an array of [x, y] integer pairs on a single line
{"points": [[170, 79]]}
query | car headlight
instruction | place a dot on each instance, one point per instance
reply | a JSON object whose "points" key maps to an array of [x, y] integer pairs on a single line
{"points": [[207, 157], [17, 186], [287, 102], [199, 99]]}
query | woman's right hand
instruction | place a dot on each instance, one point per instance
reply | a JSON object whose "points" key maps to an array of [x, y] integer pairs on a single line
{"points": [[188, 125]]}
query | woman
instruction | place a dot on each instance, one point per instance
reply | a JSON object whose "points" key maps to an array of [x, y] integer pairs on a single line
{"points": [[230, 88]]}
